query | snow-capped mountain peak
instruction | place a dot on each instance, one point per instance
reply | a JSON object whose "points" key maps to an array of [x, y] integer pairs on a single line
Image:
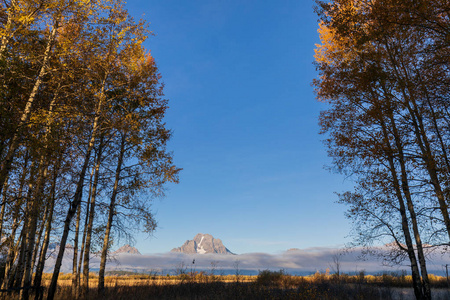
{"points": [[202, 244]]}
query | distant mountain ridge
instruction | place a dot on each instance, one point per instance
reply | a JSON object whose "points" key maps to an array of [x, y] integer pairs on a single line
{"points": [[127, 249], [202, 244], [304, 261], [54, 247]]}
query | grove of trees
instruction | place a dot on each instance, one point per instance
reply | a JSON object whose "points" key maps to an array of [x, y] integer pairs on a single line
{"points": [[385, 73], [82, 136]]}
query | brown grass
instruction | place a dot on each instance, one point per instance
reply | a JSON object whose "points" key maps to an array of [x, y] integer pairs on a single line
{"points": [[267, 285]]}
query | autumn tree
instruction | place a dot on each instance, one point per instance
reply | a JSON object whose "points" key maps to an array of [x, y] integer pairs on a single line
{"points": [[142, 162], [80, 94], [386, 122]]}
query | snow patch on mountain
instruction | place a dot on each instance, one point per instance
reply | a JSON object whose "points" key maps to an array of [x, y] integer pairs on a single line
{"points": [[200, 248]]}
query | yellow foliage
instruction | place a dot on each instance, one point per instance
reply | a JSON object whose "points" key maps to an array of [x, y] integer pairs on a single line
{"points": [[83, 2], [340, 48], [26, 19], [334, 49]]}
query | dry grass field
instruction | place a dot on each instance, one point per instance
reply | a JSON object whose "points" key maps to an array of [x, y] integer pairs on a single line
{"points": [[267, 285]]}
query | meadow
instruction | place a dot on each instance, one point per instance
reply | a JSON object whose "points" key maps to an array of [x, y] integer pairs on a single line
{"points": [[267, 285]]}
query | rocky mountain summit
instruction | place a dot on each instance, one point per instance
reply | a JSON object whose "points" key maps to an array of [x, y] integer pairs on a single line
{"points": [[202, 244], [127, 249]]}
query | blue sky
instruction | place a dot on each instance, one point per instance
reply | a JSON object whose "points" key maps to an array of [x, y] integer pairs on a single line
{"points": [[245, 126]]}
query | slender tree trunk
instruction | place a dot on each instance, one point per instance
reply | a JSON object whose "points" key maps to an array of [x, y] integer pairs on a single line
{"points": [[29, 232], [48, 228], [44, 163], [83, 246], [432, 169], [20, 267], [36, 202], [3, 142], [2, 213], [429, 160], [75, 255], [13, 251], [8, 29], [71, 212], [412, 213], [83, 242], [434, 119], [420, 133], [101, 273], [39, 238], [78, 194], [12, 264], [87, 249], [417, 284], [17, 137]]}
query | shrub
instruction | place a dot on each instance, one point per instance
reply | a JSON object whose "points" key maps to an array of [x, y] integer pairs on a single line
{"points": [[270, 278]]}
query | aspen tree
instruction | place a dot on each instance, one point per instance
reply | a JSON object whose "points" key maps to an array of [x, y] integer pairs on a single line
{"points": [[75, 81], [385, 123], [107, 42]]}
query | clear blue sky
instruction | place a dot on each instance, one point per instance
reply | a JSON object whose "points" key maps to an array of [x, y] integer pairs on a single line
{"points": [[238, 75]]}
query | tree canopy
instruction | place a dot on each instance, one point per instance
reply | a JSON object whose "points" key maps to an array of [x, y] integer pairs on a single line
{"points": [[81, 126], [383, 69]]}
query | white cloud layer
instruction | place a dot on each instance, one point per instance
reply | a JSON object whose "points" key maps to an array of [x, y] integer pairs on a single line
{"points": [[298, 261]]}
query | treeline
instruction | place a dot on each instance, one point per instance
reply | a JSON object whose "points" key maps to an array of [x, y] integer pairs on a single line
{"points": [[82, 136], [384, 71]]}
